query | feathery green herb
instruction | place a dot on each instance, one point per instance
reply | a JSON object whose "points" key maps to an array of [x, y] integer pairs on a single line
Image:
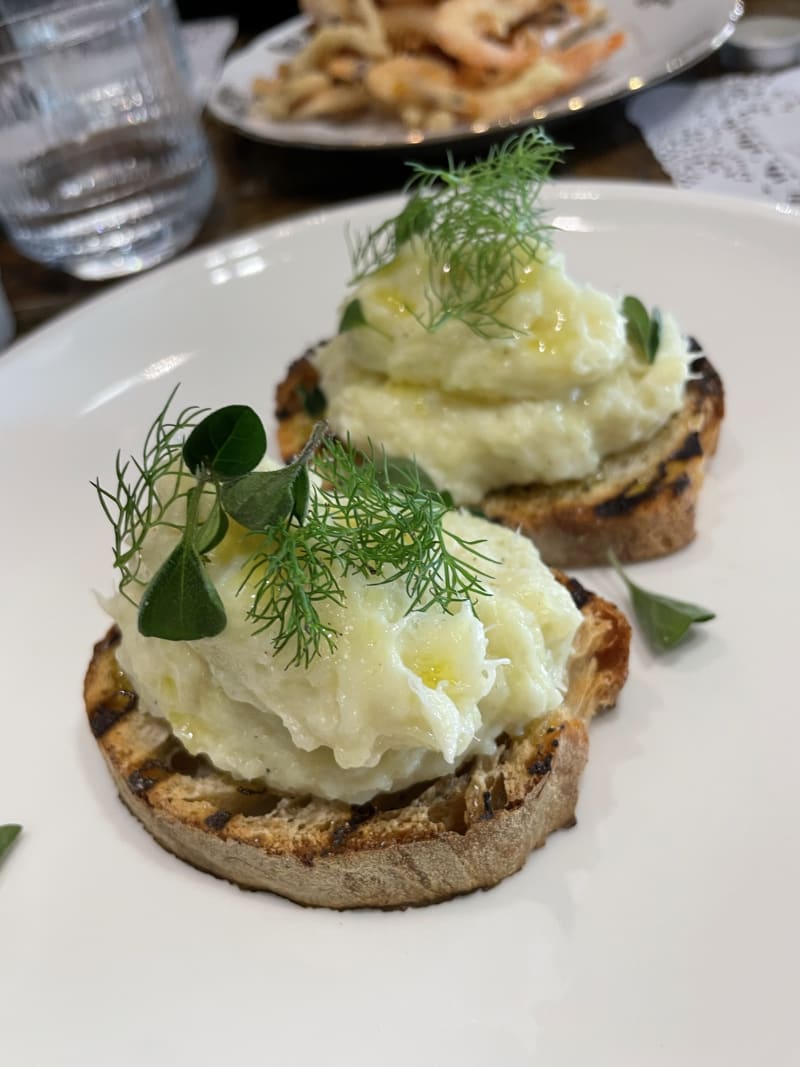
{"points": [[644, 330], [665, 621], [143, 496], [8, 835], [374, 516], [481, 226]]}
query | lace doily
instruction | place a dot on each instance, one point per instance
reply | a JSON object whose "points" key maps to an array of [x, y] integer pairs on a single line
{"points": [[738, 134]]}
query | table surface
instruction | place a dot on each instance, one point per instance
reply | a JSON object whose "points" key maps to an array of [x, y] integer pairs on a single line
{"points": [[258, 184]]}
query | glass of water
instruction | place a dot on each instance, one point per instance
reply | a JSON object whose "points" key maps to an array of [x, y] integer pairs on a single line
{"points": [[104, 168]]}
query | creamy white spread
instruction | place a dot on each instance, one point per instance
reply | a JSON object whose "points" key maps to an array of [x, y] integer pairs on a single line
{"points": [[546, 403], [404, 697]]}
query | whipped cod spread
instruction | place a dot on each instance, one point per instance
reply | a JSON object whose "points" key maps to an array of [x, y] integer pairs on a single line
{"points": [[403, 698], [545, 403]]}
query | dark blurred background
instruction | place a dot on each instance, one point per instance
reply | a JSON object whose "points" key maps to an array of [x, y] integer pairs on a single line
{"points": [[252, 17]]}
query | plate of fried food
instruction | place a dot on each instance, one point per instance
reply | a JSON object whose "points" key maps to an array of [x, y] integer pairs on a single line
{"points": [[368, 74]]}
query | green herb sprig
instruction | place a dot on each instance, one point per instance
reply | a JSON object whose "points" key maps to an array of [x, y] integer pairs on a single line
{"points": [[643, 328], [480, 224], [378, 517], [352, 316], [665, 622], [8, 835], [143, 496]]}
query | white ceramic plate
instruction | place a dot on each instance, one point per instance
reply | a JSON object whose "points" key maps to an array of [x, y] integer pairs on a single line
{"points": [[662, 930], [664, 37]]}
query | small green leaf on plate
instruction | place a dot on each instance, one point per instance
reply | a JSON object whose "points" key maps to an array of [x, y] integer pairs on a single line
{"points": [[8, 835], [227, 443], [352, 316], [180, 603], [665, 621]]}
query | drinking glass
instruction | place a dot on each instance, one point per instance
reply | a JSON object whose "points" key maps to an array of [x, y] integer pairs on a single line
{"points": [[104, 168]]}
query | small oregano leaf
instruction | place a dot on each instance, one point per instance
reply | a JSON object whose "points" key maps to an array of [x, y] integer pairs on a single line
{"points": [[262, 498], [403, 472], [212, 530], [665, 621], [637, 320], [8, 835], [644, 330], [352, 316], [180, 603], [654, 337], [227, 443]]}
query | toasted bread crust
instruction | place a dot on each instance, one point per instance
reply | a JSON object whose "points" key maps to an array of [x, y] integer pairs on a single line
{"points": [[463, 832], [641, 505]]}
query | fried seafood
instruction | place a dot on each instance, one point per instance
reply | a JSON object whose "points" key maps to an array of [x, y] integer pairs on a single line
{"points": [[480, 34], [436, 63]]}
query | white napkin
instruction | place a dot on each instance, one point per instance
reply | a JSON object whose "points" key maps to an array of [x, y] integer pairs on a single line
{"points": [[738, 134]]}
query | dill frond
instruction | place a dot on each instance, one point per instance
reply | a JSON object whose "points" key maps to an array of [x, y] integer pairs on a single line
{"points": [[143, 494], [480, 225], [290, 573], [357, 522]]}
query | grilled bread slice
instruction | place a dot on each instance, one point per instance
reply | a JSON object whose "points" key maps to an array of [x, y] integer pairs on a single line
{"points": [[641, 504], [463, 832]]}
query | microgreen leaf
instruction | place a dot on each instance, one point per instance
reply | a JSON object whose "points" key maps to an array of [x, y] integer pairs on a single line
{"points": [[180, 603], [227, 443], [213, 529], [665, 621], [301, 488], [8, 835], [260, 499], [407, 473], [637, 320], [414, 219], [654, 337], [352, 316], [644, 330], [404, 472]]}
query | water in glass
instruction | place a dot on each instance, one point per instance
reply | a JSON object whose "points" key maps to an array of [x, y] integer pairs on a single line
{"points": [[104, 168]]}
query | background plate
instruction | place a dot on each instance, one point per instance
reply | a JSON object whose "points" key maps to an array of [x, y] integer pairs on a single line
{"points": [[664, 37], [662, 930]]}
